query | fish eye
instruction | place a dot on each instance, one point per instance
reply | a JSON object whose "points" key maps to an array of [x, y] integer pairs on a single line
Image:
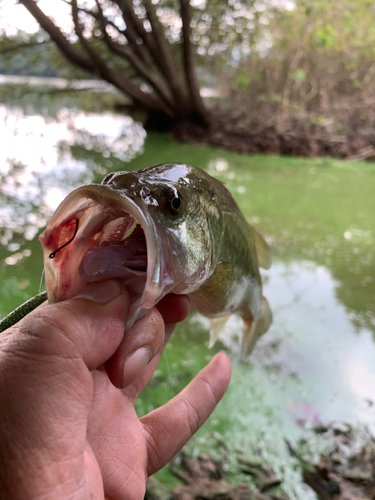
{"points": [[173, 201], [175, 204]]}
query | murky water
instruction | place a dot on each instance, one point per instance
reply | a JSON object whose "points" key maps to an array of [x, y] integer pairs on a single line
{"points": [[317, 362]]}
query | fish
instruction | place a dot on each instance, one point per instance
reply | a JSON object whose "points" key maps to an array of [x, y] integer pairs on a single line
{"points": [[170, 228]]}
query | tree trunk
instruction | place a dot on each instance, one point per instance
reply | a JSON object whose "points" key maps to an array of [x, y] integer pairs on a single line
{"points": [[163, 85]]}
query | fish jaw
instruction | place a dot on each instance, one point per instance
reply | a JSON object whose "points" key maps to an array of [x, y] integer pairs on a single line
{"points": [[94, 217]]}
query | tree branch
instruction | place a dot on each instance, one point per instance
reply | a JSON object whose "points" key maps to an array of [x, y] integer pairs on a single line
{"points": [[57, 36], [128, 34], [161, 59], [131, 33], [134, 24], [149, 54], [108, 73], [189, 66], [175, 82], [98, 15], [92, 63], [139, 66]]}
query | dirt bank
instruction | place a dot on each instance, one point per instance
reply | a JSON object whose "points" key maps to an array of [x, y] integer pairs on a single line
{"points": [[292, 137]]}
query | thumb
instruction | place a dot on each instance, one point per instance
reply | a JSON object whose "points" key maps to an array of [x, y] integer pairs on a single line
{"points": [[88, 327]]}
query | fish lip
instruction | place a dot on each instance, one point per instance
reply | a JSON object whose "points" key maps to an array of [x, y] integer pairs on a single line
{"points": [[108, 197]]}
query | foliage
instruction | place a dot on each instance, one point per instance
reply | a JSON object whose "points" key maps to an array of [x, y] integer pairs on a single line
{"points": [[34, 58], [34, 55], [315, 62]]}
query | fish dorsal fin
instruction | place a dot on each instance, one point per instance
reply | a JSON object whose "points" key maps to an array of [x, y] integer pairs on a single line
{"points": [[254, 330], [217, 324], [263, 250]]}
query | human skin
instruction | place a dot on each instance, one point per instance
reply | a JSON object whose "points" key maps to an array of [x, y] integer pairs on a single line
{"points": [[69, 379]]}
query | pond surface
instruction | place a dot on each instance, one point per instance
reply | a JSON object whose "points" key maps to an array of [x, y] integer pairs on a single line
{"points": [[316, 363]]}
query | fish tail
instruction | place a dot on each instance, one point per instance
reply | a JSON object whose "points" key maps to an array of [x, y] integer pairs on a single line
{"points": [[255, 329]]}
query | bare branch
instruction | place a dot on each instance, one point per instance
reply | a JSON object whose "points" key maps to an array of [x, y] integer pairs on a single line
{"points": [[189, 65], [138, 65], [162, 45], [97, 16], [92, 62], [109, 74], [162, 59], [126, 32], [57, 36], [131, 33], [175, 88]]}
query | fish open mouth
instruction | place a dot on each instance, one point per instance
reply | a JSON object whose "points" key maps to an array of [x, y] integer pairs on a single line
{"points": [[121, 252], [98, 234]]}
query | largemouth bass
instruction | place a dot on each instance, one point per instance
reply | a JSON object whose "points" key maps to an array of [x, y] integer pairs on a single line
{"points": [[166, 229]]}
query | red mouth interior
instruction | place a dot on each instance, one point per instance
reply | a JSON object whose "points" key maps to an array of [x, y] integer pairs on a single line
{"points": [[113, 248], [94, 242]]}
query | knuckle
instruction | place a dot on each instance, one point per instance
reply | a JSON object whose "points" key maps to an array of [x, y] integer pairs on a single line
{"points": [[148, 331], [51, 332], [155, 320], [211, 389], [192, 417]]}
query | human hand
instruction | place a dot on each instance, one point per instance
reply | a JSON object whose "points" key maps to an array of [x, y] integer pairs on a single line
{"points": [[69, 379]]}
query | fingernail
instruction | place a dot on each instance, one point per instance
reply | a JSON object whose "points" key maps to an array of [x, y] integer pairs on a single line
{"points": [[135, 363], [102, 292]]}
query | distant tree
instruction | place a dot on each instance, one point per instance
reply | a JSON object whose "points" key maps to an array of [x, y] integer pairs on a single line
{"points": [[26, 54], [147, 48]]}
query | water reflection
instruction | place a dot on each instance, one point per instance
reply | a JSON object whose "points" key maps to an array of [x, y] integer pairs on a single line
{"points": [[43, 158], [312, 340], [318, 214]]}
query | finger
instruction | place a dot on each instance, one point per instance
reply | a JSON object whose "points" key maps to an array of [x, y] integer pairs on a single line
{"points": [[133, 390], [88, 327], [170, 427], [174, 308], [140, 351], [151, 367], [140, 345]]}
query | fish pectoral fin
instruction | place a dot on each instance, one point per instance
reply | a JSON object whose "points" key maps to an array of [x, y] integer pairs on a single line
{"points": [[263, 250], [254, 330], [217, 324]]}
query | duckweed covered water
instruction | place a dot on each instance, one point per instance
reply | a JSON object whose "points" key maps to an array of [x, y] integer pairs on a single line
{"points": [[316, 363]]}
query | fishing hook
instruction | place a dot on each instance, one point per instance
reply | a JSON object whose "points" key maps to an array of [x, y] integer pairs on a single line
{"points": [[52, 255]]}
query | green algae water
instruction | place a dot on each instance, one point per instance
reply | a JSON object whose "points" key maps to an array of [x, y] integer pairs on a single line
{"points": [[316, 364]]}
